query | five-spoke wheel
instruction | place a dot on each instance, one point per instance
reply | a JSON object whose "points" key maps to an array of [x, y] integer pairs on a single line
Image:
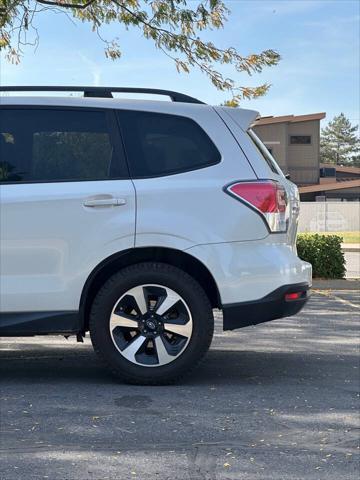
{"points": [[151, 325]]}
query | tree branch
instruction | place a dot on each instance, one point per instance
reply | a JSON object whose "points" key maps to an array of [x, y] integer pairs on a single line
{"points": [[172, 26], [66, 5]]}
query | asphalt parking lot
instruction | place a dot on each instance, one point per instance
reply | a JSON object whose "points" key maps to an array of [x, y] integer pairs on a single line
{"points": [[277, 401]]}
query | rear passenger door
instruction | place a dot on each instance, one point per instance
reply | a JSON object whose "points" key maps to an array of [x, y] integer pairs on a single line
{"points": [[66, 203]]}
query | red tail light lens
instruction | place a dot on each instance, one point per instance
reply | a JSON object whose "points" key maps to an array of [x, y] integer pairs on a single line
{"points": [[268, 198]]}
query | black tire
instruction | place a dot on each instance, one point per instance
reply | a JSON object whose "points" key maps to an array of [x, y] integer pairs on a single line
{"points": [[160, 274]]}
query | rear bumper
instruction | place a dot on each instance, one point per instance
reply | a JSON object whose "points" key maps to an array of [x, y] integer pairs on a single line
{"points": [[272, 306], [249, 271]]}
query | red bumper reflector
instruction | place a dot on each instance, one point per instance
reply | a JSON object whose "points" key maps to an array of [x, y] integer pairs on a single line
{"points": [[293, 296]]}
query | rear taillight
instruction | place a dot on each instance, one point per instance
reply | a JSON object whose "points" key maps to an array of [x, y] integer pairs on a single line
{"points": [[268, 198]]}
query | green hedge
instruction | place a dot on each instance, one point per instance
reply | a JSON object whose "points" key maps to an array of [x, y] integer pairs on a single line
{"points": [[324, 253]]}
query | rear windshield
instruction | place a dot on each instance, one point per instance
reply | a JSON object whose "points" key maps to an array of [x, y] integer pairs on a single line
{"points": [[264, 152]]}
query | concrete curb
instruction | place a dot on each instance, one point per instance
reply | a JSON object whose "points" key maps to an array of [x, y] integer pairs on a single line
{"points": [[341, 284]]}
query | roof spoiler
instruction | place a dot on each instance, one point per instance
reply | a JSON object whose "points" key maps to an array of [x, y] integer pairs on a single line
{"points": [[244, 118]]}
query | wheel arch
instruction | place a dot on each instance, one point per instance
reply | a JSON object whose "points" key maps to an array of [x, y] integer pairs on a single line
{"points": [[177, 258]]}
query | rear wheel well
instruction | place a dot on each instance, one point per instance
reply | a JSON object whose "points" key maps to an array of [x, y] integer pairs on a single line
{"points": [[113, 264]]}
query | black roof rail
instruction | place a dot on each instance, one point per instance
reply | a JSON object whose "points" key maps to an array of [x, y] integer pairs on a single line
{"points": [[103, 92]]}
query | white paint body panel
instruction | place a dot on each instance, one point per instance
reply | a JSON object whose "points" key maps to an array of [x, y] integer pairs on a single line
{"points": [[180, 211], [50, 242], [247, 271]]}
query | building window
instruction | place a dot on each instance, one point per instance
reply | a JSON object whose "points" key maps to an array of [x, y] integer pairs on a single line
{"points": [[326, 172], [300, 139]]}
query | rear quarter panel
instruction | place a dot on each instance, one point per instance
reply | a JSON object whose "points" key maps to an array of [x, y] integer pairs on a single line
{"points": [[187, 209]]}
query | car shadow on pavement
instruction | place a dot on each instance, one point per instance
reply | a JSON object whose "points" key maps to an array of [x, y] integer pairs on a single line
{"points": [[313, 345], [47, 364]]}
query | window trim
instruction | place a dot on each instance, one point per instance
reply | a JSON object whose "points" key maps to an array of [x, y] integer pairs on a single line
{"points": [[120, 111], [300, 144], [115, 137]]}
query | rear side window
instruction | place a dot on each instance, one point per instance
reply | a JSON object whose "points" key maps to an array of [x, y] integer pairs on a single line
{"points": [[159, 144], [41, 145]]}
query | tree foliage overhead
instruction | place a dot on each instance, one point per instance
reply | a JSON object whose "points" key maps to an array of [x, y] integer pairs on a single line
{"points": [[175, 27], [339, 143]]}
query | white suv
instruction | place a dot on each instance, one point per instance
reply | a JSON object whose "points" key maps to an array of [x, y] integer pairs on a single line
{"points": [[134, 219]]}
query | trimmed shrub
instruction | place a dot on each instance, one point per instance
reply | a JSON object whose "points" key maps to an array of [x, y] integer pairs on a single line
{"points": [[324, 253]]}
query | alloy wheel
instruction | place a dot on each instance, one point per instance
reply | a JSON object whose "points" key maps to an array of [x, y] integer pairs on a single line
{"points": [[151, 325]]}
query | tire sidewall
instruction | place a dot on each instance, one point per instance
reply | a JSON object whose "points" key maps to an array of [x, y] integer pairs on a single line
{"points": [[159, 274]]}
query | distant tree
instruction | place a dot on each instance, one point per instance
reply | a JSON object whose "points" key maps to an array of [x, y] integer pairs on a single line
{"points": [[339, 143], [173, 25]]}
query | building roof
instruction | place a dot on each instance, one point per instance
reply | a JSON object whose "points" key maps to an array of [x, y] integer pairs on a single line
{"points": [[329, 186], [290, 118], [342, 168]]}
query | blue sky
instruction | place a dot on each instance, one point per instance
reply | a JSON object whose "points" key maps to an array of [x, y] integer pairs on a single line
{"points": [[318, 42]]}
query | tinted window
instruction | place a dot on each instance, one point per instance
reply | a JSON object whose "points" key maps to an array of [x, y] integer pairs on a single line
{"points": [[55, 145], [159, 144], [300, 139]]}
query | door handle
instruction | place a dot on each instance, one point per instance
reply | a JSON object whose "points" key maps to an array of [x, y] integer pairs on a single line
{"points": [[104, 202]]}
